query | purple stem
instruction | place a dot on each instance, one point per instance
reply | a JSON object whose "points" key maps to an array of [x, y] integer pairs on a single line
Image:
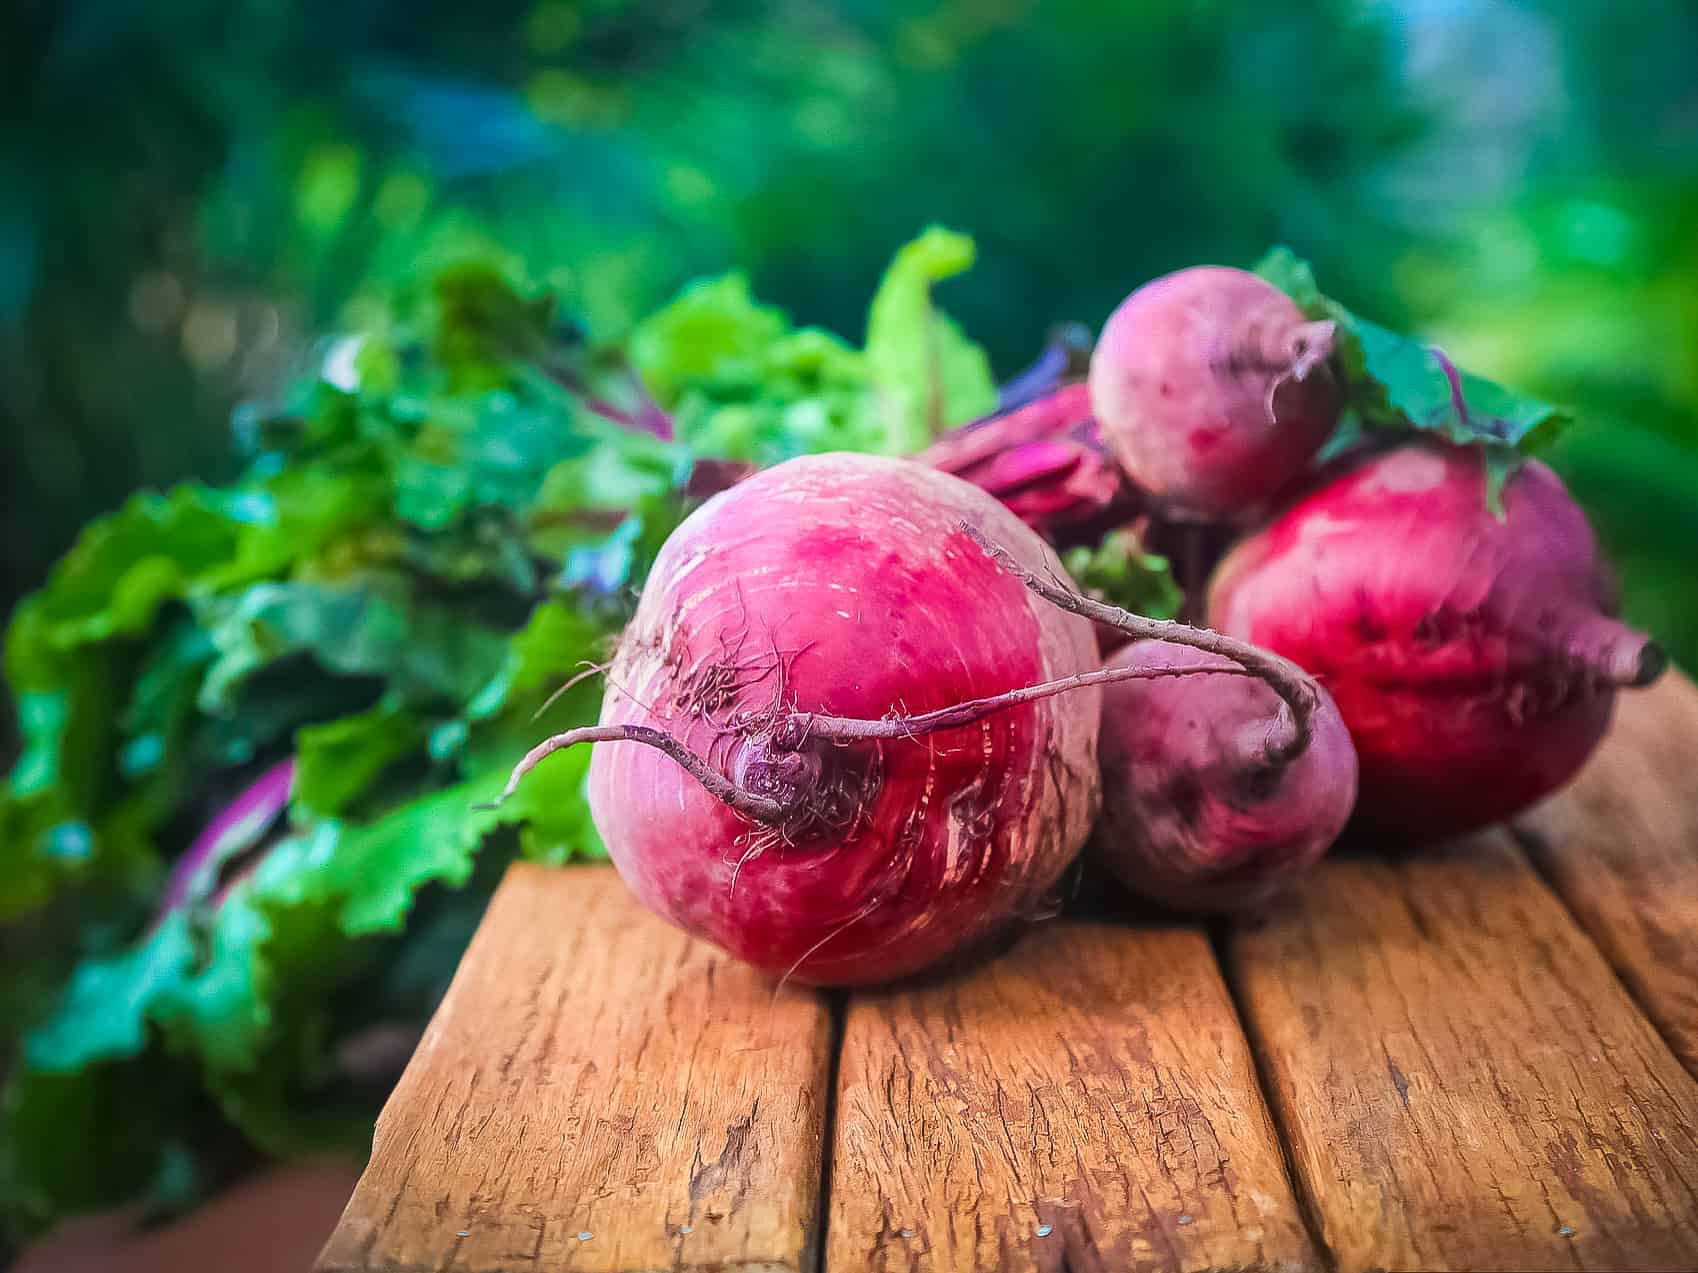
{"points": [[647, 418], [1065, 357], [238, 826]]}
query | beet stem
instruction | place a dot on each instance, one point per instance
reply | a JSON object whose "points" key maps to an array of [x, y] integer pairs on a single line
{"points": [[1295, 686], [854, 729], [747, 803], [802, 726]]}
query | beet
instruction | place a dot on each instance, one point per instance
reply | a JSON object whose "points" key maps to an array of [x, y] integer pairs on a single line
{"points": [[1213, 391], [842, 588], [1470, 654], [1194, 815]]}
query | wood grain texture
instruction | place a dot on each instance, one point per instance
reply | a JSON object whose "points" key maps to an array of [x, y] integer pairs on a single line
{"points": [[1087, 1101], [1461, 1079], [1621, 848], [599, 1093]]}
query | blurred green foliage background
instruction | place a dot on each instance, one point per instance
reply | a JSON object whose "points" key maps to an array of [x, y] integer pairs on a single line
{"points": [[193, 193]]}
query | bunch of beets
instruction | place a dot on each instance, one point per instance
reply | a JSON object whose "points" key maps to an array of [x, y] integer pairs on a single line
{"points": [[877, 721]]}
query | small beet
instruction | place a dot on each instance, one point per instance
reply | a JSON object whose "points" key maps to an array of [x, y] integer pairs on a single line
{"points": [[1195, 815], [1471, 654], [1213, 391]]}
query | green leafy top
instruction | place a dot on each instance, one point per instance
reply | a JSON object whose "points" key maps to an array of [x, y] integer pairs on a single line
{"points": [[416, 557], [1396, 382], [743, 384]]}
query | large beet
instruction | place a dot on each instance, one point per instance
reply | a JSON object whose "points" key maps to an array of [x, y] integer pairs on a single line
{"points": [[1470, 654], [844, 585]]}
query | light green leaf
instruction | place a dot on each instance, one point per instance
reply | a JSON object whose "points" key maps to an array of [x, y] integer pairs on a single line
{"points": [[713, 331], [105, 1009], [223, 1007], [155, 549], [933, 375], [370, 871]]}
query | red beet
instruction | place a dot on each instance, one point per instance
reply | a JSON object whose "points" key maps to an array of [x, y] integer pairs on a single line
{"points": [[1194, 813], [1212, 390], [1470, 654], [829, 587]]}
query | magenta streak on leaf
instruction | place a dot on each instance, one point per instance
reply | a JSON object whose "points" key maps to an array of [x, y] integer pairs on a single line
{"points": [[238, 826], [1451, 374], [648, 417]]}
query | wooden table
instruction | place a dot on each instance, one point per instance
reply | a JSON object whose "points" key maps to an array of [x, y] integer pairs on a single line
{"points": [[1478, 1057]]}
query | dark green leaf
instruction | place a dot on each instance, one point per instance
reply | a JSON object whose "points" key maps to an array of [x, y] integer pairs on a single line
{"points": [[1416, 380], [494, 453], [93, 1138], [339, 760], [155, 757], [367, 628], [483, 326]]}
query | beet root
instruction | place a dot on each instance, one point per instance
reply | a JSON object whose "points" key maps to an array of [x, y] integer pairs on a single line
{"points": [[791, 638], [1470, 654], [1213, 391], [1194, 815]]}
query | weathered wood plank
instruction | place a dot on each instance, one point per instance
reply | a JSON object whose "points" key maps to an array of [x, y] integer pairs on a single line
{"points": [[1087, 1101], [1462, 1081], [597, 1092], [1621, 848]]}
